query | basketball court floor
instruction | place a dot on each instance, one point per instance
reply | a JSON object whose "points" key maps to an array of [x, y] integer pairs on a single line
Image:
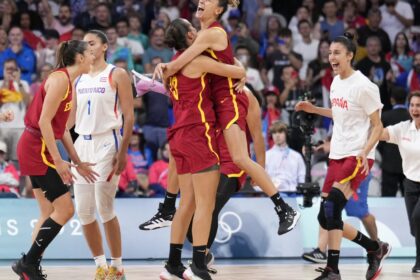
{"points": [[351, 269]]}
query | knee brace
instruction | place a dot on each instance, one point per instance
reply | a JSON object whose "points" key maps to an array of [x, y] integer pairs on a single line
{"points": [[333, 207], [84, 196], [105, 196], [321, 215]]}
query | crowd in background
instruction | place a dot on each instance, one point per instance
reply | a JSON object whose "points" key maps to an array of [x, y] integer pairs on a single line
{"points": [[283, 47]]}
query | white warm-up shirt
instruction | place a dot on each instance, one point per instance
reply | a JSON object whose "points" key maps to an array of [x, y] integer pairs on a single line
{"points": [[353, 100], [407, 137]]}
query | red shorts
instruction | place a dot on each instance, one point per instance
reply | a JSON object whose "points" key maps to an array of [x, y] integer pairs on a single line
{"points": [[193, 148], [345, 170], [232, 109], [34, 158]]}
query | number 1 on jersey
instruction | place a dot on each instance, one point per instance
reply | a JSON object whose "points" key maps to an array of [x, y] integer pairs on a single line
{"points": [[88, 107]]}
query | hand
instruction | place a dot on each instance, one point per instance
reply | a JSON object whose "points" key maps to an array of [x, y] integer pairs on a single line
{"points": [[63, 169], [118, 162], [7, 116], [306, 106], [159, 69], [240, 85], [85, 170], [364, 163], [291, 83]]}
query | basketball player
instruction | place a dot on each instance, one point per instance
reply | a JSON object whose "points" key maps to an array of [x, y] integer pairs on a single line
{"points": [[103, 98], [192, 141], [230, 105], [356, 108], [39, 158]]}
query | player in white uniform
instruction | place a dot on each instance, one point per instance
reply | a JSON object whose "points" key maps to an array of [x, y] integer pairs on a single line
{"points": [[356, 108], [103, 97]]}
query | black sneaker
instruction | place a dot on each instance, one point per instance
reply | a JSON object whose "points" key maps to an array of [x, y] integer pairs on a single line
{"points": [[210, 263], [163, 218], [288, 219], [328, 274], [172, 272], [315, 256], [28, 271], [193, 272], [416, 267], [375, 260]]}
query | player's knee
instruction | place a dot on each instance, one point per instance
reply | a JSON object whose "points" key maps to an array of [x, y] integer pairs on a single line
{"points": [[106, 213], [321, 215], [333, 208], [86, 215]]}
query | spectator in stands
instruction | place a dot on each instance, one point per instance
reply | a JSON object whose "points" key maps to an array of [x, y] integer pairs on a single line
{"points": [[14, 97], [375, 67], [47, 55], [351, 17], [415, 37], [240, 35], [136, 31], [9, 9], [253, 77], [141, 159], [124, 8], [373, 29], [127, 186], [77, 34], [302, 13], [157, 119], [162, 20], [285, 166], [4, 41], [401, 57], [31, 36], [319, 73], [23, 54], [9, 177], [271, 112], [41, 76], [158, 172], [135, 47], [392, 173], [102, 17], [282, 56], [63, 23], [116, 51], [331, 26], [270, 36], [264, 16], [397, 15], [410, 80], [157, 48], [308, 47], [86, 19]]}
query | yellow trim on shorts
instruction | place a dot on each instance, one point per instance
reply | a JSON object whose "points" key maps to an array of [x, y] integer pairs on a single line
{"points": [[235, 104], [236, 175], [203, 116], [43, 156], [354, 174]]}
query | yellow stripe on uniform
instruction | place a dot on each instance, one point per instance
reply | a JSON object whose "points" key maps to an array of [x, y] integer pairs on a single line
{"points": [[203, 116], [236, 175], [68, 84], [353, 175], [235, 104], [173, 82], [44, 157]]}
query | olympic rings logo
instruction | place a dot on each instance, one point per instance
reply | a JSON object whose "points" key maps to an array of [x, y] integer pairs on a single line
{"points": [[227, 228]]}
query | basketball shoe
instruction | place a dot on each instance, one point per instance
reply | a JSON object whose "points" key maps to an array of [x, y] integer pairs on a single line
{"points": [[172, 272], [194, 273], [101, 273], [163, 218], [375, 260], [315, 256], [288, 219], [328, 274], [28, 271], [114, 274]]}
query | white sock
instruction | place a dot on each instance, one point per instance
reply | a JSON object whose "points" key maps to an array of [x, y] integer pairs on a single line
{"points": [[117, 263], [100, 261]]}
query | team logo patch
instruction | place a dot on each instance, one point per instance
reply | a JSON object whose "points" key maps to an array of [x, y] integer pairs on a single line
{"points": [[103, 79]]}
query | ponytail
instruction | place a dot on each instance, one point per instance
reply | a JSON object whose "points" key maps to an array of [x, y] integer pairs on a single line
{"points": [[67, 51]]}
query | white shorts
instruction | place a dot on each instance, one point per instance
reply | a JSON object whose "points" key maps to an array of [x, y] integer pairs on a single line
{"points": [[99, 149]]}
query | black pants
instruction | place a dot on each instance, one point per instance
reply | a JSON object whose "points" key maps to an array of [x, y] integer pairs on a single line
{"points": [[391, 182], [412, 203], [226, 188]]}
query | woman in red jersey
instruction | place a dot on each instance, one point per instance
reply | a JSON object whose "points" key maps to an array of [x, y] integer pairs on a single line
{"points": [[230, 106], [45, 122], [192, 141]]}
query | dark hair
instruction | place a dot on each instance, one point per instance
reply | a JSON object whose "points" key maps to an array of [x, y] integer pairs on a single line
{"points": [[413, 94], [374, 11], [152, 31], [399, 94], [176, 34], [302, 21], [329, 1], [66, 5], [225, 3], [67, 51], [347, 41], [101, 35], [407, 44], [243, 46], [11, 60], [285, 32], [125, 20]]}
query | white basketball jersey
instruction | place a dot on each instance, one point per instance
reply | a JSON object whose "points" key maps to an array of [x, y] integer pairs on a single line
{"points": [[98, 108]]}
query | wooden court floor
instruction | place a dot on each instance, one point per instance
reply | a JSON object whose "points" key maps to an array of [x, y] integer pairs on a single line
{"points": [[393, 271]]}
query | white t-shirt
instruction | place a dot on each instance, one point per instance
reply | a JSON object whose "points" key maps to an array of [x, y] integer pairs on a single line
{"points": [[407, 137], [390, 23], [353, 100], [254, 79], [309, 52], [19, 109]]}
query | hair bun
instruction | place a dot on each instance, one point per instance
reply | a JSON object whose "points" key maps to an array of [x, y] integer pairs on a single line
{"points": [[348, 35]]}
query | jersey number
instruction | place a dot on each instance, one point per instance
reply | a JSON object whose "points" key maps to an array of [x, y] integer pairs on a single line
{"points": [[88, 107]]}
